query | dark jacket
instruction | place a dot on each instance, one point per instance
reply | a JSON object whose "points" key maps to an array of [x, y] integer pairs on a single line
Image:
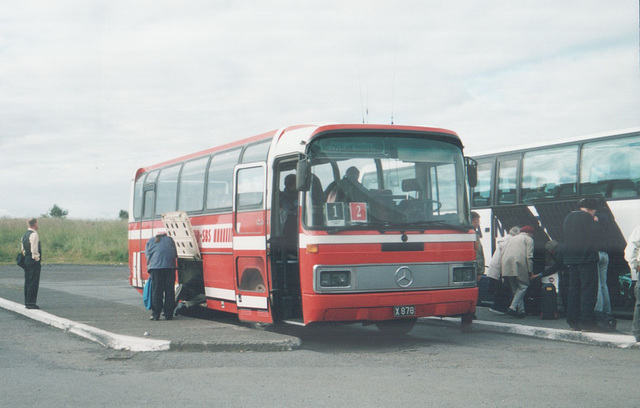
{"points": [[558, 262], [581, 238], [28, 253], [607, 239], [161, 254]]}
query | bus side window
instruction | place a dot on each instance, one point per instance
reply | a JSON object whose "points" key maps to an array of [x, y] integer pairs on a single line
{"points": [[250, 189], [623, 189], [149, 199], [482, 191], [549, 173], [192, 185], [256, 152], [220, 178], [167, 189], [565, 190], [507, 181], [609, 168], [138, 197], [149, 195]]}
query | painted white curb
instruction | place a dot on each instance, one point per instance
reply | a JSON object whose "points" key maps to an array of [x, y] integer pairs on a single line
{"points": [[103, 337], [601, 339]]}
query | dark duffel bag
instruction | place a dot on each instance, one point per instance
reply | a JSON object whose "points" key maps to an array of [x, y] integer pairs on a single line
{"points": [[20, 261]]}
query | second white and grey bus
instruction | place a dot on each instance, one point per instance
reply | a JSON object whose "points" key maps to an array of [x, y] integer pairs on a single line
{"points": [[540, 184]]}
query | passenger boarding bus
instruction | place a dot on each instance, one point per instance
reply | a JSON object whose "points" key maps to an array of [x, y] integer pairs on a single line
{"points": [[540, 184], [387, 253]]}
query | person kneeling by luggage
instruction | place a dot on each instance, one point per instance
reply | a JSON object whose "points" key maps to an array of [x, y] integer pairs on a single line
{"points": [[517, 266]]}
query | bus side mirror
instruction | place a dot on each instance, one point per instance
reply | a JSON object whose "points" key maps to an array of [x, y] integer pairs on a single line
{"points": [[303, 175], [472, 171]]}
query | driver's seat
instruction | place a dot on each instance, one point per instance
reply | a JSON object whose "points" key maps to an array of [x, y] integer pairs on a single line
{"points": [[411, 204]]}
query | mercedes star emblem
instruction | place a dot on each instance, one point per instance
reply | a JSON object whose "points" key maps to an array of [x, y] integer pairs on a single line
{"points": [[404, 277]]}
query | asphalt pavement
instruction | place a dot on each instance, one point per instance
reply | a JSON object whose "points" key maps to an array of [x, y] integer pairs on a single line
{"points": [[113, 315]]}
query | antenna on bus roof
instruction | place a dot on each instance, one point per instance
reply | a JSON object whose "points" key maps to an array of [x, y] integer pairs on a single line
{"points": [[393, 81], [363, 107]]}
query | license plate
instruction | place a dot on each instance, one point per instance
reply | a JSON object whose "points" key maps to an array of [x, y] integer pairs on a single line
{"points": [[403, 311]]}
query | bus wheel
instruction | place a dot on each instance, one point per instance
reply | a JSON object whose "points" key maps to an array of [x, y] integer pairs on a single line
{"points": [[403, 326], [257, 285], [261, 326], [465, 322]]}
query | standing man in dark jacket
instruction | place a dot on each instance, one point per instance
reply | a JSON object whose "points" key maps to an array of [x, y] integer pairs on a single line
{"points": [[161, 263], [582, 234], [33, 255]]}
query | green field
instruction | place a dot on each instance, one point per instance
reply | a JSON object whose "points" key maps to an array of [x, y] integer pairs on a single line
{"points": [[68, 241]]}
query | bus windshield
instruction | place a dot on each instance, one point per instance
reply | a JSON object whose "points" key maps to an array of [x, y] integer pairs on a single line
{"points": [[383, 183]]}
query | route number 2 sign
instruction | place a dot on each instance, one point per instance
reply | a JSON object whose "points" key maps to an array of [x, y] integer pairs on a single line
{"points": [[358, 212]]}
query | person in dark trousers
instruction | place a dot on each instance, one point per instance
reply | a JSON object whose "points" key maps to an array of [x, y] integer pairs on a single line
{"points": [[161, 263], [582, 234], [33, 260]]}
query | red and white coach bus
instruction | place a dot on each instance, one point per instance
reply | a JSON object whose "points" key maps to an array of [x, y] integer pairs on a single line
{"points": [[397, 248]]}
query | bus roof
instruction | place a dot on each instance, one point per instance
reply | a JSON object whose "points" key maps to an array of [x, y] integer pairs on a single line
{"points": [[537, 145], [305, 133]]}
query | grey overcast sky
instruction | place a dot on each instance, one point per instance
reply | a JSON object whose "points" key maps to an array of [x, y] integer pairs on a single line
{"points": [[91, 90]]}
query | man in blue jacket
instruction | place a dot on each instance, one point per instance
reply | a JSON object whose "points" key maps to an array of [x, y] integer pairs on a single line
{"points": [[161, 263], [582, 234]]}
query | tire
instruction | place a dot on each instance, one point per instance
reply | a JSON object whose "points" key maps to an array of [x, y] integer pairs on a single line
{"points": [[256, 285], [402, 326], [261, 326], [465, 322]]}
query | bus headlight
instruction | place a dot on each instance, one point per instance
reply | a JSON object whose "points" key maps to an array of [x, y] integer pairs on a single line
{"points": [[333, 279], [464, 274]]}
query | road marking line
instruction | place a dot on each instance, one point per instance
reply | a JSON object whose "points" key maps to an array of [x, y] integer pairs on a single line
{"points": [[103, 337]]}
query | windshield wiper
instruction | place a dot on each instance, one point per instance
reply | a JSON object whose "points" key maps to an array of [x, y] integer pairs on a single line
{"points": [[425, 225], [436, 223], [383, 227]]}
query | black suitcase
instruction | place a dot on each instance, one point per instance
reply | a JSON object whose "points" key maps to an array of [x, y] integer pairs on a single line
{"points": [[485, 290], [532, 298], [502, 297], [548, 302]]}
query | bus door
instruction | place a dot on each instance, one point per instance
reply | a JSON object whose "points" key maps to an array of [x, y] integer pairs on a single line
{"points": [[505, 191], [249, 243], [481, 200], [142, 229], [136, 248], [284, 242]]}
